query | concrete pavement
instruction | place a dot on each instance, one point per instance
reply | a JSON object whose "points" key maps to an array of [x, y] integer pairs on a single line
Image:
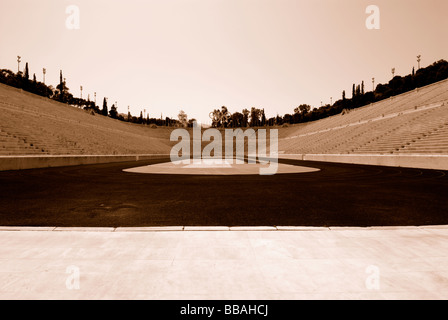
{"points": [[217, 263]]}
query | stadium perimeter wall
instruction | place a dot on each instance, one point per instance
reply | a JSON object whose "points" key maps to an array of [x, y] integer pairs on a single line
{"points": [[32, 162], [420, 161], [438, 162]]}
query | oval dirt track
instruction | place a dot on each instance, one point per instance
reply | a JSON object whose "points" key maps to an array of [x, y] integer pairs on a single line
{"points": [[337, 195]]}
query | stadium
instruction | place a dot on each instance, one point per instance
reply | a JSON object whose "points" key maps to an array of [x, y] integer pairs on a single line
{"points": [[92, 202]]}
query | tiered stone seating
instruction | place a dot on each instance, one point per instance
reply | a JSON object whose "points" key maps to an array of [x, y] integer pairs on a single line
{"points": [[34, 125], [12, 145], [414, 122], [433, 142]]}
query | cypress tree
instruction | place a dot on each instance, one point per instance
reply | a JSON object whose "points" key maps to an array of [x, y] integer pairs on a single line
{"points": [[263, 118], [27, 72], [60, 87], [104, 111]]}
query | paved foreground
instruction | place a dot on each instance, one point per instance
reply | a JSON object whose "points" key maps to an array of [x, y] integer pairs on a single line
{"points": [[309, 263]]}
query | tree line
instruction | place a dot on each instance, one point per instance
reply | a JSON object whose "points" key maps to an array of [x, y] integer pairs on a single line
{"points": [[62, 94], [221, 117], [437, 71]]}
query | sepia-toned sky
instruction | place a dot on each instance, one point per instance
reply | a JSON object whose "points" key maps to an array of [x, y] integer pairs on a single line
{"points": [[197, 55]]}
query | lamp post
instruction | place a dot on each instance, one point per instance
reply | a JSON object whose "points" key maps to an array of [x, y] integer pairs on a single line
{"points": [[44, 71], [373, 84], [81, 91], [393, 72], [418, 60]]}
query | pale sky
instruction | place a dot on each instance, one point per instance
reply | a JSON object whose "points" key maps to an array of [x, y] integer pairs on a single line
{"points": [[198, 55]]}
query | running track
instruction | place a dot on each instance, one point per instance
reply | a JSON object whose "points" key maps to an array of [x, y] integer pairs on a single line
{"points": [[338, 195]]}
